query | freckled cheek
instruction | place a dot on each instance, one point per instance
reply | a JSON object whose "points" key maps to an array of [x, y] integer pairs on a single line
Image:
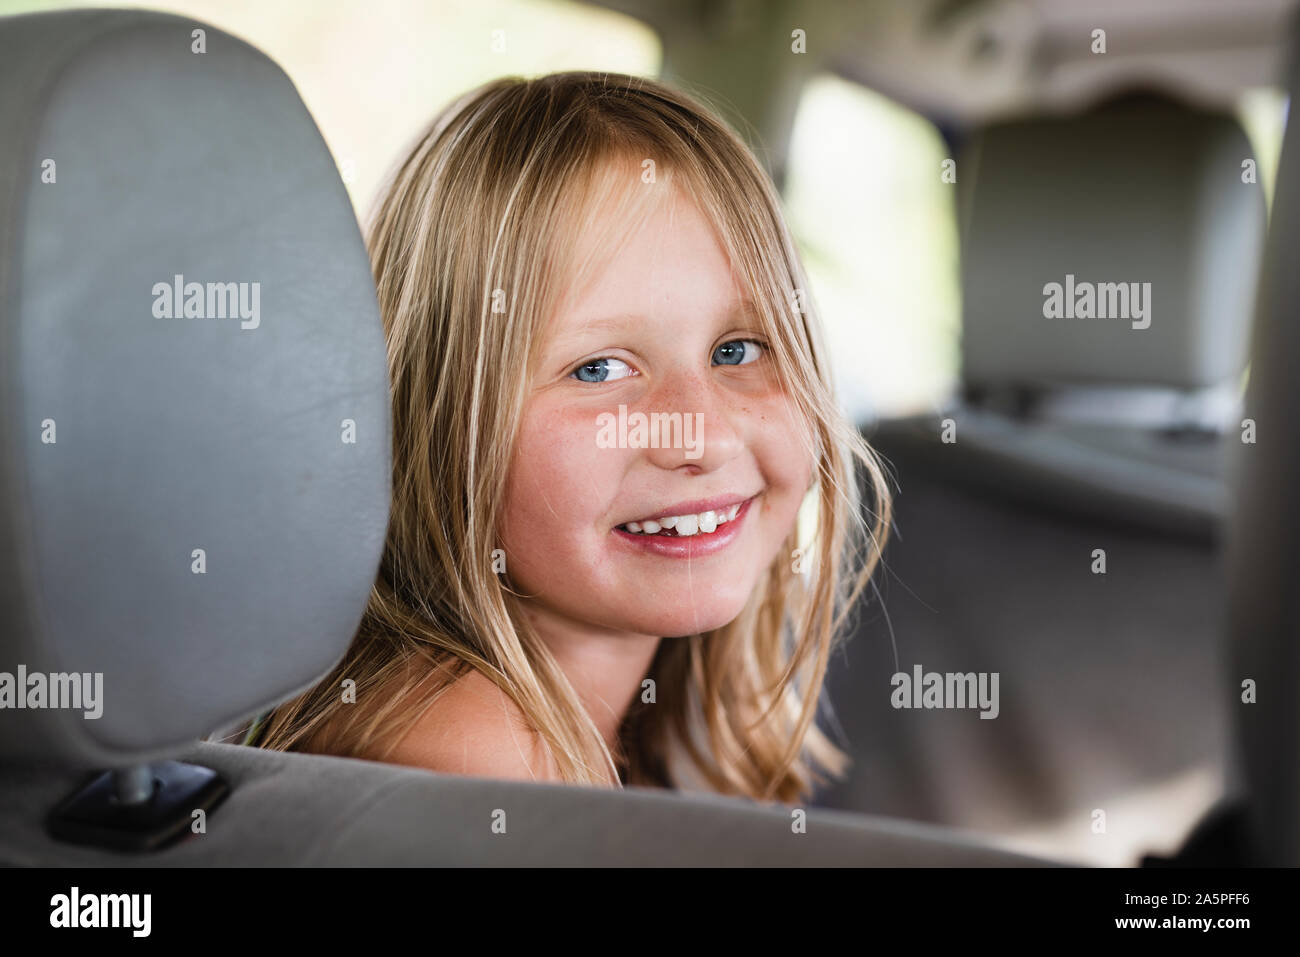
{"points": [[777, 439], [561, 479]]}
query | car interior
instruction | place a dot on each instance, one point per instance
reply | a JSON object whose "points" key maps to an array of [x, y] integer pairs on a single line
{"points": [[1101, 518]]}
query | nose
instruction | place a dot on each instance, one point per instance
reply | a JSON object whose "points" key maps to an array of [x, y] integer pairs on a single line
{"points": [[703, 431]]}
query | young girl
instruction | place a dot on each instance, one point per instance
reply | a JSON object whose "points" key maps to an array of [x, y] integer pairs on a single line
{"points": [[610, 402]]}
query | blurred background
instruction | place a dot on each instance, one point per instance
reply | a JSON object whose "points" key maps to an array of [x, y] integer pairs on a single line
{"points": [[1120, 161]]}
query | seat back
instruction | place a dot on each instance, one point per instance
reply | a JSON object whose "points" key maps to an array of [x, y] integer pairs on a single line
{"points": [[1263, 679], [1006, 507]]}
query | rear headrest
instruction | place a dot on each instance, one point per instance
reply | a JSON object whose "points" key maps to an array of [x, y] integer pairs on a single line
{"points": [[1119, 246], [195, 451]]}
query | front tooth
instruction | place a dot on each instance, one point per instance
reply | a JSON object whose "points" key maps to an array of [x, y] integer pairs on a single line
{"points": [[634, 526], [669, 522], [650, 528], [688, 524], [708, 522]]}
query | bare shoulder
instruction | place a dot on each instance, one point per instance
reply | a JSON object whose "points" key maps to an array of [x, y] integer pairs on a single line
{"points": [[475, 729]]}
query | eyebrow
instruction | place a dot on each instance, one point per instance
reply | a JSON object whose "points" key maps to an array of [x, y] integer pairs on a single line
{"points": [[745, 307], [607, 322]]}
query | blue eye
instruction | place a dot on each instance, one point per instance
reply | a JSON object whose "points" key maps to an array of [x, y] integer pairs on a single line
{"points": [[734, 353], [602, 370]]}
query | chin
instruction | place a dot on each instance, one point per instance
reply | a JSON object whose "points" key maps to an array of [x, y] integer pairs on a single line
{"points": [[687, 619]]}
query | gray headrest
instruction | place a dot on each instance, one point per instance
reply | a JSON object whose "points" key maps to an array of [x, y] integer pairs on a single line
{"points": [[182, 509], [1141, 193]]}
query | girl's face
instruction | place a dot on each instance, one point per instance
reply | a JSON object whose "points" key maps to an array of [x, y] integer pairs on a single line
{"points": [[660, 338]]}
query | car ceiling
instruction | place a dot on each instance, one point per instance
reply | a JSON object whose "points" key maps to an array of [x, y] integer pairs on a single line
{"points": [[969, 61]]}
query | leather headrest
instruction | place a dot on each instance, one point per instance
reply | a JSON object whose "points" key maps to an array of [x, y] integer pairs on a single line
{"points": [[195, 455]]}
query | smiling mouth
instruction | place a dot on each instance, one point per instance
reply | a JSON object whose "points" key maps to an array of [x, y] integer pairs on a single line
{"points": [[684, 526]]}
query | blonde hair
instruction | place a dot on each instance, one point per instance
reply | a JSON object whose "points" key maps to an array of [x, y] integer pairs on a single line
{"points": [[489, 200]]}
